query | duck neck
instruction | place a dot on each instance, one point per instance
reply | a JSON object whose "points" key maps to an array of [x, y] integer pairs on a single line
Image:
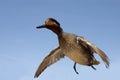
{"points": [[57, 30]]}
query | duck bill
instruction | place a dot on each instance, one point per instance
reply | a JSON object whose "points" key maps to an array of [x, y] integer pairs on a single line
{"points": [[41, 26]]}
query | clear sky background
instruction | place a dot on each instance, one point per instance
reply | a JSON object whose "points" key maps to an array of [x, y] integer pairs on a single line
{"points": [[23, 47]]}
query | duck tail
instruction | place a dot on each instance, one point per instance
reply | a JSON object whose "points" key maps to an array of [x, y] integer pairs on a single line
{"points": [[95, 62]]}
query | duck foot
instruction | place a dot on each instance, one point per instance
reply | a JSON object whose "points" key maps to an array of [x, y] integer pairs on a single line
{"points": [[75, 68], [93, 67]]}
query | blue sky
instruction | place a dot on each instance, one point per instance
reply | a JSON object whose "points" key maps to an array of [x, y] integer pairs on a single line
{"points": [[23, 47]]}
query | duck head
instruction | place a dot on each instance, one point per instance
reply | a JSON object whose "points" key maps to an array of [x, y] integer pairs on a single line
{"points": [[53, 25]]}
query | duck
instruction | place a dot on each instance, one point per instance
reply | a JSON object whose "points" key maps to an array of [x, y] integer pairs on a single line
{"points": [[75, 47]]}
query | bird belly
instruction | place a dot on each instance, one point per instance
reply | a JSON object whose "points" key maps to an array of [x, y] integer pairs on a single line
{"points": [[80, 57]]}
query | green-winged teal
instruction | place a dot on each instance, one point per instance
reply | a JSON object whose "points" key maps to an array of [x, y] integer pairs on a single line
{"points": [[75, 47]]}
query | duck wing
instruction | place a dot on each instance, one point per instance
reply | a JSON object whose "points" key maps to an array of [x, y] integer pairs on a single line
{"points": [[53, 57], [94, 49]]}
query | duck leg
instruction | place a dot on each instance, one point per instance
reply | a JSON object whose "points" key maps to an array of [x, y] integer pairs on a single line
{"points": [[93, 67], [91, 63], [75, 68]]}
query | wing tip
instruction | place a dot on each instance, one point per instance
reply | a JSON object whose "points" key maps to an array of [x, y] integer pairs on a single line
{"points": [[36, 76], [107, 64]]}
